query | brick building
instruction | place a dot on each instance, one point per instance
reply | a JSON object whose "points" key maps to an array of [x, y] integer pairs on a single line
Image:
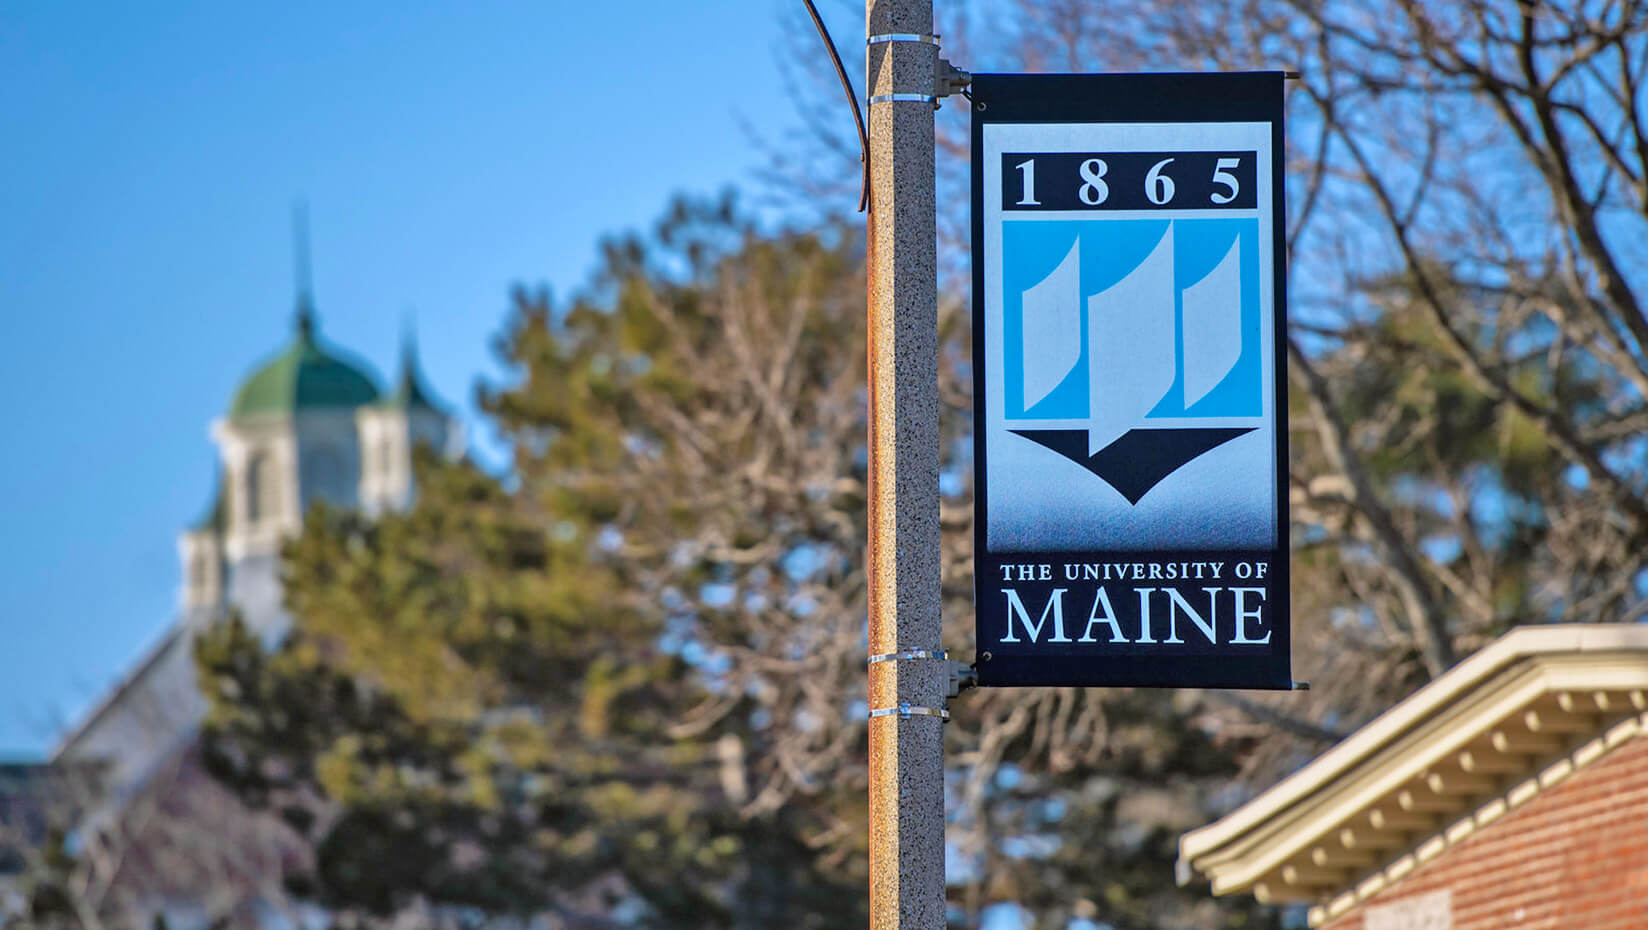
{"points": [[1510, 792]]}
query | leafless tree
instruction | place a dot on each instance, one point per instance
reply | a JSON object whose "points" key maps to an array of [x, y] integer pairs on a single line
{"points": [[102, 849], [1468, 344]]}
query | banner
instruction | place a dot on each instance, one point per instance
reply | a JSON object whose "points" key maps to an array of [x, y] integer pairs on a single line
{"points": [[1129, 380]]}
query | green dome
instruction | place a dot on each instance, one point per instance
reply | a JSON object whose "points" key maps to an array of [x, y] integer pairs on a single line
{"points": [[304, 376]]}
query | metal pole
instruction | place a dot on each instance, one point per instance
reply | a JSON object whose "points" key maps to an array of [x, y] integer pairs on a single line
{"points": [[907, 688]]}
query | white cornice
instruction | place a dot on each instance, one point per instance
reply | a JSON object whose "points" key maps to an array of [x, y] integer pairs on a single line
{"points": [[1470, 740]]}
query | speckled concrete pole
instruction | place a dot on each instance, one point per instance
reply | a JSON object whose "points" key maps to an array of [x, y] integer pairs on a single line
{"points": [[906, 752]]}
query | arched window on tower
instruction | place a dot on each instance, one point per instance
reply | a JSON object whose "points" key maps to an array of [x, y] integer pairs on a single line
{"points": [[324, 478], [262, 492], [386, 457]]}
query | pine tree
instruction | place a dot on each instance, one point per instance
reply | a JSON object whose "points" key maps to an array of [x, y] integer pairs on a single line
{"points": [[490, 701]]}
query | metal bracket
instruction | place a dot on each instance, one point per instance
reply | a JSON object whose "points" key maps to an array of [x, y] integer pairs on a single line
{"points": [[910, 37], [884, 37], [962, 677], [905, 98], [949, 79], [909, 654], [907, 710]]}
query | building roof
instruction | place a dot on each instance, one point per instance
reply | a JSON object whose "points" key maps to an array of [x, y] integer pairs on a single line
{"points": [[1486, 737], [306, 375], [410, 392], [149, 665]]}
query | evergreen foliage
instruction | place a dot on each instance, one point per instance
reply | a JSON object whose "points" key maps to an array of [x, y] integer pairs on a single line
{"points": [[626, 680], [621, 684], [488, 704]]}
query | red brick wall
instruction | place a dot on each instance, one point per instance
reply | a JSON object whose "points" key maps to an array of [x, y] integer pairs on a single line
{"points": [[1574, 857]]}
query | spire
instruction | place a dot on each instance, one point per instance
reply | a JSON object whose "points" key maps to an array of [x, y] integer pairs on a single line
{"points": [[409, 389], [300, 252], [409, 343]]}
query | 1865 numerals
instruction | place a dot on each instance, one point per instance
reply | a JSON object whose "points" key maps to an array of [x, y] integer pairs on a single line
{"points": [[1128, 180]]}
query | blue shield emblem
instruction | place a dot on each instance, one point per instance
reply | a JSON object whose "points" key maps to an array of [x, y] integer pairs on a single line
{"points": [[1131, 347]]}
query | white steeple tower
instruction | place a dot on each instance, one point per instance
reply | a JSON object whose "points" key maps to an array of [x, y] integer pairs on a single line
{"points": [[391, 429]]}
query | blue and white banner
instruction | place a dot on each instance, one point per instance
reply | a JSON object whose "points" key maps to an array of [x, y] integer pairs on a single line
{"points": [[1131, 454]]}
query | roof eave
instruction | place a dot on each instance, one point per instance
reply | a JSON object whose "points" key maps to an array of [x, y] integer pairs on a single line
{"points": [[1419, 743]]}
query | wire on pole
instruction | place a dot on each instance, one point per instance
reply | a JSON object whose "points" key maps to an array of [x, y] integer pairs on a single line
{"points": [[852, 98]]}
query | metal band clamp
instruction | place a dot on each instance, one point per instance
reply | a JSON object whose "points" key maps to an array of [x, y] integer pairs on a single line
{"points": [[906, 711], [904, 98], [909, 654], [902, 37]]}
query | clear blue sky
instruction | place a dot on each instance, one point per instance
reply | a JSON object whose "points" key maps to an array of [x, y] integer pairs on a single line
{"points": [[151, 156]]}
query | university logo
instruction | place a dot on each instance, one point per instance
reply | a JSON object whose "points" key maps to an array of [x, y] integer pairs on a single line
{"points": [[1131, 347]]}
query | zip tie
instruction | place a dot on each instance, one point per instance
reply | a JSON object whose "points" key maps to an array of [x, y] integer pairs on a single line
{"points": [[902, 37], [904, 98], [909, 654], [906, 711]]}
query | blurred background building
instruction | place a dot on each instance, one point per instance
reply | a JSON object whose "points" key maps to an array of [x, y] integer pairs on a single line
{"points": [[310, 424]]}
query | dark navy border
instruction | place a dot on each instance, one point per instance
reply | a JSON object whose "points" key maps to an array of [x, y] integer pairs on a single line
{"points": [[1242, 97]]}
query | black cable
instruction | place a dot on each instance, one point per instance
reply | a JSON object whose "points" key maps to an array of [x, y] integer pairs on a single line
{"points": [[852, 98]]}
